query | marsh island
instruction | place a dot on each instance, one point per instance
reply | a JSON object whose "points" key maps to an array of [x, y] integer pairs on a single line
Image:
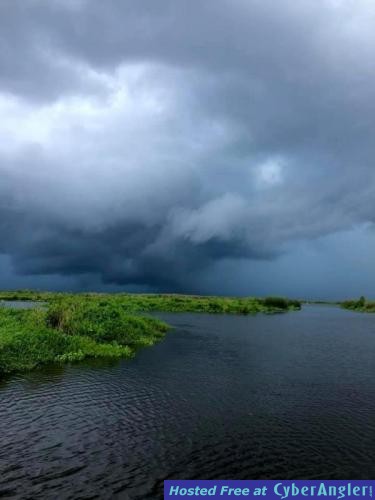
{"points": [[71, 327]]}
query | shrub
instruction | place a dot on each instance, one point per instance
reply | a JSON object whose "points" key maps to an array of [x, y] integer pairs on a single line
{"points": [[278, 302]]}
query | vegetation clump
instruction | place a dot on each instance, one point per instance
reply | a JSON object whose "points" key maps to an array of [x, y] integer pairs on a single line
{"points": [[208, 304], [68, 331], [282, 303], [31, 295], [72, 327], [135, 303], [104, 321], [361, 305]]}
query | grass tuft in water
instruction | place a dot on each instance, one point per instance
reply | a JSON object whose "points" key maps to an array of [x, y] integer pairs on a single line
{"points": [[69, 331]]}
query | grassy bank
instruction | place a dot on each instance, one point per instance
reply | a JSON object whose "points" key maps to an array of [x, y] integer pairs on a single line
{"points": [[71, 331], [71, 327], [165, 302], [29, 295], [360, 305]]}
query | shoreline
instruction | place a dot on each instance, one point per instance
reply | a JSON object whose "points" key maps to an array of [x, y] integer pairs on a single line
{"points": [[73, 327]]}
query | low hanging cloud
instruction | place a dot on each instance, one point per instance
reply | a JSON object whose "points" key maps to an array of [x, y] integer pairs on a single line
{"points": [[143, 142]]}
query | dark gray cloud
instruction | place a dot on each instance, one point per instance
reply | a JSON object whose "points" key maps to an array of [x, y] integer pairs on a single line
{"points": [[151, 144]]}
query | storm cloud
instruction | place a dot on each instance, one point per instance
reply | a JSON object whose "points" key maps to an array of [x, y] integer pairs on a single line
{"points": [[152, 144]]}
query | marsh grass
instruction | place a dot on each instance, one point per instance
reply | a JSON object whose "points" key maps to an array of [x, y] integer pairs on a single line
{"points": [[135, 303], [72, 327], [360, 305], [68, 332]]}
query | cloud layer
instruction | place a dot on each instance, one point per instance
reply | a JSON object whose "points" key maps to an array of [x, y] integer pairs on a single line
{"points": [[144, 143]]}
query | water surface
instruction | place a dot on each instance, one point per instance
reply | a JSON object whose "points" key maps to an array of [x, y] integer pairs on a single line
{"points": [[21, 304], [288, 396]]}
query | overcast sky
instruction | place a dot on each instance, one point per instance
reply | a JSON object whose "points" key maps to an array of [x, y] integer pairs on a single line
{"points": [[216, 146]]}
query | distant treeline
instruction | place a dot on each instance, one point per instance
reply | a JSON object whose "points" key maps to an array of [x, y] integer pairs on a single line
{"points": [[362, 304]]}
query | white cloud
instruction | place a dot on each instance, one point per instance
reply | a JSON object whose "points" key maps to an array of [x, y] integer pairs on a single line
{"points": [[269, 173]]}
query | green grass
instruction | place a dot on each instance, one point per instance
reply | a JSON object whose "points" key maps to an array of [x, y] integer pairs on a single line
{"points": [[28, 295], [167, 302], [103, 321], [69, 331], [72, 327], [360, 305]]}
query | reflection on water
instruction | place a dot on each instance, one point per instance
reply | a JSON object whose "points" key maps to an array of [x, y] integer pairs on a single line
{"points": [[21, 304], [286, 396]]}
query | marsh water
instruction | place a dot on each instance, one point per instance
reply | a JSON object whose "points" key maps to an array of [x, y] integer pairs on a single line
{"points": [[241, 397], [20, 304]]}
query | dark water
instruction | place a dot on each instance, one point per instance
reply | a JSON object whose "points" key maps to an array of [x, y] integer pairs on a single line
{"points": [[286, 396]]}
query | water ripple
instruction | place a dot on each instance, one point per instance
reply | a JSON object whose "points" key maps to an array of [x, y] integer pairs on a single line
{"points": [[221, 397]]}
